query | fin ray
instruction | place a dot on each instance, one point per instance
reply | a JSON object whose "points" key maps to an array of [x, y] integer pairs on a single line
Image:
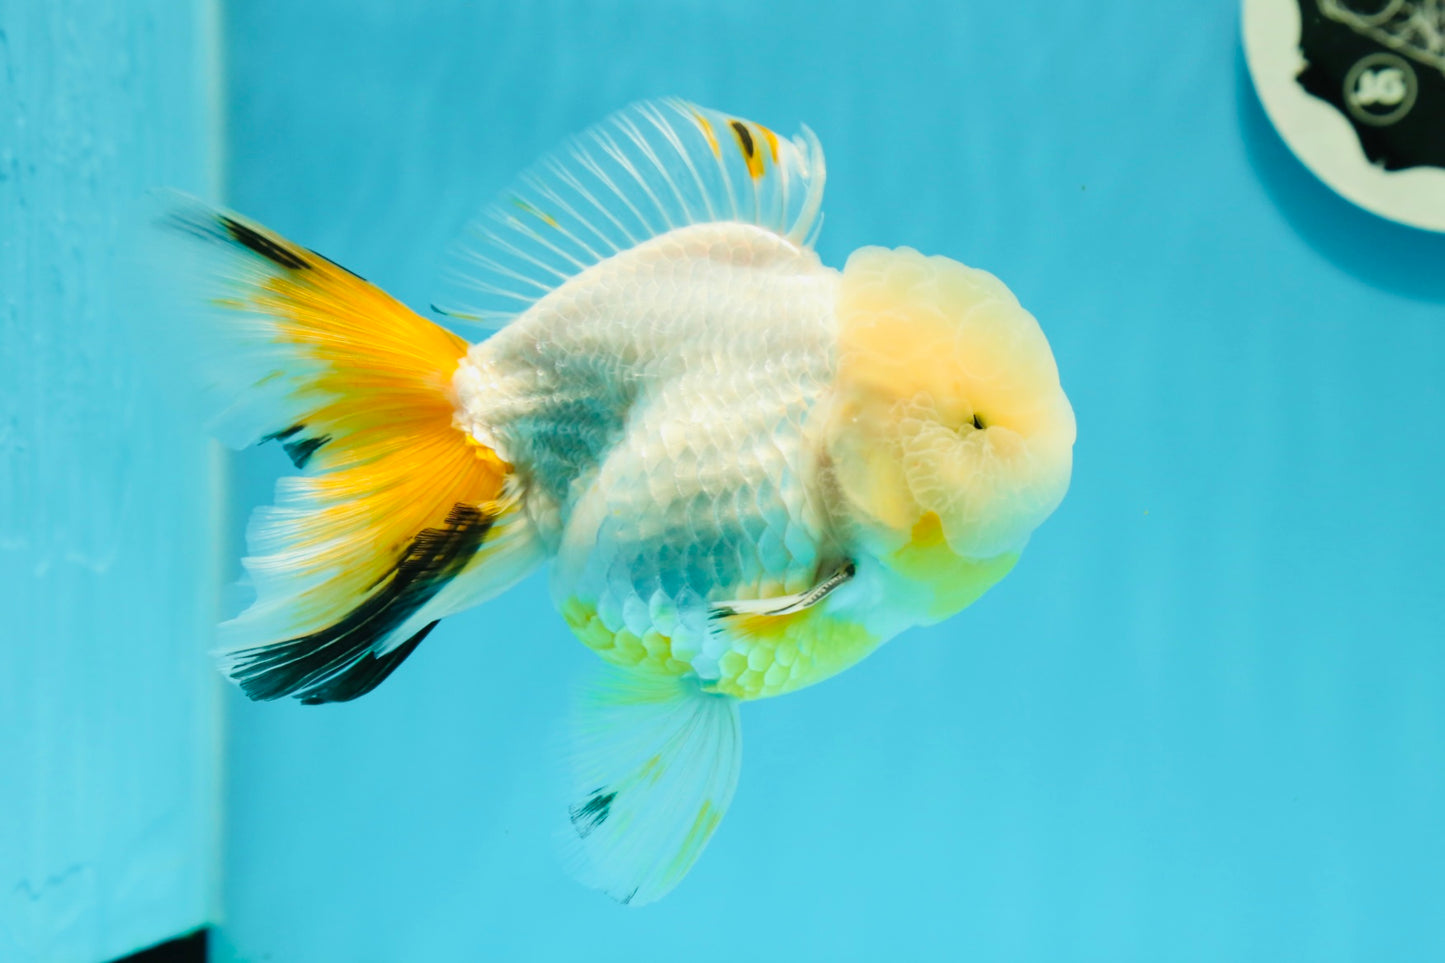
{"points": [[648, 169], [655, 764], [398, 518], [785, 604]]}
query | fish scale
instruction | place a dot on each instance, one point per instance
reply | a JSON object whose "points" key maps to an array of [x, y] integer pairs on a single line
{"points": [[725, 334]]}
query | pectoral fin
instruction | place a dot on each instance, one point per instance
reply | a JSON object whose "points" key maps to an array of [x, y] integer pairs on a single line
{"points": [[769, 646], [654, 765], [785, 604]]}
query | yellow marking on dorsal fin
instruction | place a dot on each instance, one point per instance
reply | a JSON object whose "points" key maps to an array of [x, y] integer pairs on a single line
{"points": [[772, 140], [707, 132], [749, 147], [544, 217]]}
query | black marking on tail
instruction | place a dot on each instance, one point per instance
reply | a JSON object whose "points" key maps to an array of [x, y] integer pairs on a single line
{"points": [[592, 813], [283, 435], [299, 450], [262, 245], [338, 662], [339, 267], [368, 673], [215, 226]]}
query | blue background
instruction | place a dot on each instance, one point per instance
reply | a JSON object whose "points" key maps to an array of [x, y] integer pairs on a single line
{"points": [[1204, 719], [109, 553]]}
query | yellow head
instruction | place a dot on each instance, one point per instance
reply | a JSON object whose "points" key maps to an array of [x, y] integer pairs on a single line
{"points": [[949, 424]]}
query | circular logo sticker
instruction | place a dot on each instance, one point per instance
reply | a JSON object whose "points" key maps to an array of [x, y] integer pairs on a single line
{"points": [[1357, 90]]}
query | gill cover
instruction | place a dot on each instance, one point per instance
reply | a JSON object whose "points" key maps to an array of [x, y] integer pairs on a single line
{"points": [[948, 405]]}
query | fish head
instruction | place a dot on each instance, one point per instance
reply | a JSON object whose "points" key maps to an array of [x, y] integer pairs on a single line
{"points": [[947, 415]]}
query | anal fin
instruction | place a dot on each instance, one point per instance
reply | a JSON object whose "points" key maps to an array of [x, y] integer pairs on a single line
{"points": [[654, 766]]}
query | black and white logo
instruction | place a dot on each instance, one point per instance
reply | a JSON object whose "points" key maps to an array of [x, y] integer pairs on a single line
{"points": [[1357, 90], [1380, 89]]}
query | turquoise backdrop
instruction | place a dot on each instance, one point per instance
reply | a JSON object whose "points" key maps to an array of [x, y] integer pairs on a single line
{"points": [[110, 749], [1203, 720], [1205, 717]]}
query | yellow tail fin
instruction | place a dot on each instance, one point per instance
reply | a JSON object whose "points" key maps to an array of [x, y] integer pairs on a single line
{"points": [[398, 517]]}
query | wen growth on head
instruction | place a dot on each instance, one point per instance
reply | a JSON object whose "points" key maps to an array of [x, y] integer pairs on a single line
{"points": [[746, 469]]}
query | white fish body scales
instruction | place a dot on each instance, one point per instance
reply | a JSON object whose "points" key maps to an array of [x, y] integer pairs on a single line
{"points": [[657, 406]]}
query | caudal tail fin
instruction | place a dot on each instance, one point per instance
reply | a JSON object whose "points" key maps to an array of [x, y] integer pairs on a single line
{"points": [[398, 516]]}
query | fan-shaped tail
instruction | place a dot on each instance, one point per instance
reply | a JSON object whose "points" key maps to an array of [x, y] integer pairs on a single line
{"points": [[398, 518]]}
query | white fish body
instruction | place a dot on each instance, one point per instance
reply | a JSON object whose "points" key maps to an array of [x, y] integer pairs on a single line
{"points": [[663, 401], [748, 469]]}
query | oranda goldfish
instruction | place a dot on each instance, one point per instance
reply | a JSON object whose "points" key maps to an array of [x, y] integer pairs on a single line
{"points": [[747, 469]]}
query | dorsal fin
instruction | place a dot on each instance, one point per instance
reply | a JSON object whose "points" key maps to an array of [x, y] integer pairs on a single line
{"points": [[647, 169]]}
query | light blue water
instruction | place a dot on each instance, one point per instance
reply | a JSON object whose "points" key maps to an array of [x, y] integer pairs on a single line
{"points": [[109, 722], [1203, 720]]}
